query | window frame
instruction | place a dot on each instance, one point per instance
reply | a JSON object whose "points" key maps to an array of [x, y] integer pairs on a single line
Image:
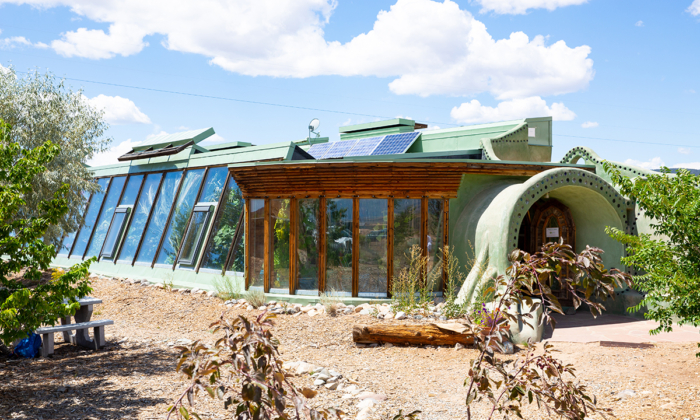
{"points": [[128, 209], [207, 208]]}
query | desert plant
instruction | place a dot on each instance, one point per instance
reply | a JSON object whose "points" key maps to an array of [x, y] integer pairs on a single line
{"points": [[408, 290], [23, 308], [168, 283], [227, 289], [330, 301], [532, 377], [244, 371], [256, 298]]}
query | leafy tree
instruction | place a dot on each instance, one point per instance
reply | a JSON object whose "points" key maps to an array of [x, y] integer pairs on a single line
{"points": [[41, 108], [23, 309], [669, 260]]}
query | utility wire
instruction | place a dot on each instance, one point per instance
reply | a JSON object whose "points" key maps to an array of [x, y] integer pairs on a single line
{"points": [[627, 141]]}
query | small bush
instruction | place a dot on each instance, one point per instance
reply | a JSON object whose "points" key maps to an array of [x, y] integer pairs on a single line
{"points": [[409, 292], [256, 298], [227, 288], [330, 301]]}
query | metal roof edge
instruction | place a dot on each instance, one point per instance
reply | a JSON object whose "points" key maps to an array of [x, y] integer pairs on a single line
{"points": [[377, 124]]}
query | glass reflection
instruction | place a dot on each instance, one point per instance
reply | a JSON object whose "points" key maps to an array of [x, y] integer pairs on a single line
{"points": [[68, 240], [181, 213], [279, 220], [372, 277], [407, 223], [160, 216], [214, 185], [90, 218], [105, 218], [257, 243], [339, 245], [131, 190], [434, 242], [139, 217], [308, 222], [224, 229]]}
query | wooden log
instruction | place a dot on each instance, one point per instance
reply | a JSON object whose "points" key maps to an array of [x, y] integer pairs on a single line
{"points": [[426, 334]]}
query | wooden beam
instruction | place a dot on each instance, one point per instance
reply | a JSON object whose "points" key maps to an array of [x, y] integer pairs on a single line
{"points": [[267, 249], [421, 334], [355, 246]]}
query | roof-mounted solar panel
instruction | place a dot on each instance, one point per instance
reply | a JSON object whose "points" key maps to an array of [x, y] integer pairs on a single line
{"points": [[394, 144], [365, 147], [318, 150], [340, 149]]}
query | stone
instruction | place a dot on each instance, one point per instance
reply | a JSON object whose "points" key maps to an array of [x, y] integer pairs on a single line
{"points": [[418, 317], [364, 312], [195, 290], [459, 346], [323, 377], [304, 368], [508, 347], [183, 342], [201, 292], [359, 308], [364, 414], [625, 394], [250, 307], [319, 382], [184, 290], [352, 389], [272, 302], [668, 406], [335, 374], [312, 312], [332, 386], [212, 294], [366, 403], [389, 316], [371, 395], [400, 315], [262, 308]]}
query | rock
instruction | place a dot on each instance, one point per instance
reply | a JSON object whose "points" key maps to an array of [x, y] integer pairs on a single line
{"points": [[418, 317], [508, 347], [319, 382], [364, 312], [359, 308], [371, 395], [352, 389], [160, 285], [625, 394], [389, 315], [212, 294], [668, 406], [459, 346], [250, 307], [272, 302], [332, 386], [184, 290], [262, 308], [123, 340], [290, 366], [304, 368], [400, 315], [195, 290], [323, 377], [335, 374], [312, 312], [201, 292], [366, 403], [364, 414]]}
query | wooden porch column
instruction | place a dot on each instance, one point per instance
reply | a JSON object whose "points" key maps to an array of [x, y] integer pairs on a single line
{"points": [[246, 243]]}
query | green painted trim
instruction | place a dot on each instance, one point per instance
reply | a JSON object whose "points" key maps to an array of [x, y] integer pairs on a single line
{"points": [[377, 124], [378, 132]]}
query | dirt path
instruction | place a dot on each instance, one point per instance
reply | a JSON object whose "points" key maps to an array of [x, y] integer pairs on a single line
{"points": [[134, 376]]}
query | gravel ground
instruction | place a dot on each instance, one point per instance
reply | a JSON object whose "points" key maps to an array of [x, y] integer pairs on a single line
{"points": [[134, 376]]}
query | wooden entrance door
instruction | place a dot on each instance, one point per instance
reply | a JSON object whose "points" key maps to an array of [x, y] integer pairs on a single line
{"points": [[552, 222]]}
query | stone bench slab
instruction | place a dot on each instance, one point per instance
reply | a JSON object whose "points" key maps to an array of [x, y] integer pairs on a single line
{"points": [[98, 328]]}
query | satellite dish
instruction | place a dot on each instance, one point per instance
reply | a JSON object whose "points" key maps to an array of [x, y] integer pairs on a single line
{"points": [[313, 126]]}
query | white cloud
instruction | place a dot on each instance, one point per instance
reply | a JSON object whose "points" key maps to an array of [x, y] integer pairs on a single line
{"points": [[654, 163], [589, 124], [519, 7], [110, 156], [690, 165], [213, 139], [119, 110], [694, 8], [428, 47], [639, 24], [474, 112], [684, 150], [19, 41]]}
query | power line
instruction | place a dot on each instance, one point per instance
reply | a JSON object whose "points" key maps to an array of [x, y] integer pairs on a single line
{"points": [[627, 141], [198, 95]]}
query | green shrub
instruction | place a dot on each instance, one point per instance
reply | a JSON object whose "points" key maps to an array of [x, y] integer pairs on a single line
{"points": [[227, 288], [256, 298]]}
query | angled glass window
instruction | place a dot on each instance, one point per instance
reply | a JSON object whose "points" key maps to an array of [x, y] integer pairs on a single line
{"points": [[181, 213], [68, 240], [195, 234], [156, 226], [214, 185], [407, 226], [139, 217], [339, 219], [224, 229], [90, 218], [131, 190], [102, 226], [116, 229]]}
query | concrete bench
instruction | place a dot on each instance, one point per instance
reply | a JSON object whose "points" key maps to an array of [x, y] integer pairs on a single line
{"points": [[98, 329]]}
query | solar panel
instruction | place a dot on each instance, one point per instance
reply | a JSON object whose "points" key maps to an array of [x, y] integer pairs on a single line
{"points": [[364, 147], [395, 143], [318, 150], [339, 149]]}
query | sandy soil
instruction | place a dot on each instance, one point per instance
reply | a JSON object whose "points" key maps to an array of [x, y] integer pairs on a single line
{"points": [[134, 376]]}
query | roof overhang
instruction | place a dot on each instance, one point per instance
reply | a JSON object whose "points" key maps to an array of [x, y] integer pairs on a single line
{"points": [[145, 154], [437, 178]]}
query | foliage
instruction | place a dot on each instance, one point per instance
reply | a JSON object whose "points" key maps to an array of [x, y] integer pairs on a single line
{"points": [[454, 278], [507, 385], [281, 241], [168, 281], [408, 290], [330, 301], [256, 297], [227, 289], [244, 371], [669, 261], [23, 309], [41, 108], [413, 415]]}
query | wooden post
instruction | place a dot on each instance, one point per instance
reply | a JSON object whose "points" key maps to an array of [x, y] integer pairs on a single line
{"points": [[293, 225], [322, 245], [355, 246], [267, 249], [390, 247], [424, 234]]}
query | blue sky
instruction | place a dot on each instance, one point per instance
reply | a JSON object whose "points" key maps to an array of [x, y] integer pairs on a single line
{"points": [[620, 77]]}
